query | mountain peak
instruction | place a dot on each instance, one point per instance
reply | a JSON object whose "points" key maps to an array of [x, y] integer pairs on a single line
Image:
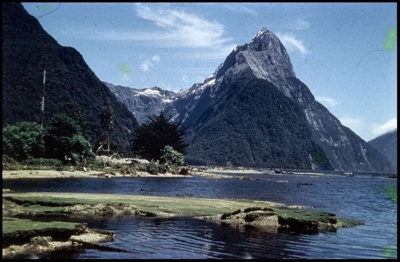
{"points": [[265, 57], [261, 34], [266, 40]]}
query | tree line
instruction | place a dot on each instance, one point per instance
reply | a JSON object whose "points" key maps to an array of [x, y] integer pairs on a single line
{"points": [[65, 138]]}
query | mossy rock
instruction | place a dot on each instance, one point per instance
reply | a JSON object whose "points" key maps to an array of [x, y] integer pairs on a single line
{"points": [[17, 230]]}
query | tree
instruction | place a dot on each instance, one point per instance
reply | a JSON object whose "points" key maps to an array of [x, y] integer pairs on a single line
{"points": [[155, 134], [107, 122], [64, 138], [23, 140], [76, 112], [171, 156]]}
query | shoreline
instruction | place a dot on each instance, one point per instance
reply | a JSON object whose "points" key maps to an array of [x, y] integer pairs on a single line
{"points": [[36, 173], [209, 172]]}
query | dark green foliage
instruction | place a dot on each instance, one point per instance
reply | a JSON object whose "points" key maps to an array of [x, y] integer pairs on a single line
{"points": [[78, 114], [320, 159], [152, 168], [69, 80], [37, 162], [23, 140], [152, 136], [107, 118], [108, 126], [171, 157], [64, 138], [255, 126]]}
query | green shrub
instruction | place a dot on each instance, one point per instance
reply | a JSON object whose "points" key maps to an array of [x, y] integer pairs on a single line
{"points": [[163, 168], [152, 168], [171, 156], [23, 140], [64, 138], [142, 167]]}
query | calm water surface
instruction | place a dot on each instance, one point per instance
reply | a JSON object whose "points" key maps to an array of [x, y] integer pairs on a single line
{"points": [[364, 197]]}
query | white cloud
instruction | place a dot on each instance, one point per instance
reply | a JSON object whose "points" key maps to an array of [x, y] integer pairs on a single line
{"points": [[240, 8], [156, 59], [126, 79], [300, 24], [181, 28], [184, 79], [291, 43], [357, 125], [145, 66], [353, 123], [386, 127], [327, 101]]}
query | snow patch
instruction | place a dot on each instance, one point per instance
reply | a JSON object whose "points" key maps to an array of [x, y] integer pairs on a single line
{"points": [[364, 153], [151, 92], [311, 118], [167, 100], [211, 82]]}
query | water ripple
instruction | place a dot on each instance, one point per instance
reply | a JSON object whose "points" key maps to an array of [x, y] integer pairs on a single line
{"points": [[363, 198]]}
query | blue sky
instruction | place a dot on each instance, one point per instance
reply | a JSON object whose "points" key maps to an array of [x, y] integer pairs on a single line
{"points": [[345, 53]]}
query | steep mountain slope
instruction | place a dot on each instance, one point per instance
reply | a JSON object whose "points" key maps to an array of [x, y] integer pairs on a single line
{"points": [[255, 126], [266, 59], [142, 102], [387, 145], [69, 80]]}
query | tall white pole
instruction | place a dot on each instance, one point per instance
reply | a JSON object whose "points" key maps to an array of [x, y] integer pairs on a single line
{"points": [[43, 92], [42, 104]]}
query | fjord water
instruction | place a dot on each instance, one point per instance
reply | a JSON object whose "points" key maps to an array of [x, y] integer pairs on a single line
{"points": [[364, 197]]}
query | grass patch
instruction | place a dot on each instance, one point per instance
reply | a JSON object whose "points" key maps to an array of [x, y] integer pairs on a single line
{"points": [[156, 206], [13, 225], [153, 204]]}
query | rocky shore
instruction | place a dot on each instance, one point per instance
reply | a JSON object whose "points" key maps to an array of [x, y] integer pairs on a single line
{"points": [[21, 210], [24, 235], [23, 174], [24, 238]]}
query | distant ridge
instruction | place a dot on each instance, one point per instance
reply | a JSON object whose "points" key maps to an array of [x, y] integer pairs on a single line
{"points": [[387, 145], [143, 102]]}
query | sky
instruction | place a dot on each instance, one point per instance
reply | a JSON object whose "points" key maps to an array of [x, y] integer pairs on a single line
{"points": [[345, 53]]}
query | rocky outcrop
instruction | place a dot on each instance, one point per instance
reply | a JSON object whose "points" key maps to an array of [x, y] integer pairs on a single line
{"points": [[239, 213], [274, 220], [23, 238]]}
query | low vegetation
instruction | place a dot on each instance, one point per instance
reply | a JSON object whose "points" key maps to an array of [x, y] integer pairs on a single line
{"points": [[64, 145]]}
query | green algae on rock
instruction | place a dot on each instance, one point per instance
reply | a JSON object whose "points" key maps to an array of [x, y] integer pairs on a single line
{"points": [[252, 213], [24, 238]]}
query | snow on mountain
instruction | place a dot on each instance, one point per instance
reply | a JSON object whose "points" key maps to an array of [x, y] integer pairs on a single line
{"points": [[266, 58], [143, 102], [263, 59]]}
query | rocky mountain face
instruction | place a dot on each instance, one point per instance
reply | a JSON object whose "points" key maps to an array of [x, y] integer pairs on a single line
{"points": [[69, 80], [254, 111], [387, 145], [143, 102]]}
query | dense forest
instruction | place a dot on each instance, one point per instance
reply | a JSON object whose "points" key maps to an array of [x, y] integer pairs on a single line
{"points": [[27, 51], [249, 129]]}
